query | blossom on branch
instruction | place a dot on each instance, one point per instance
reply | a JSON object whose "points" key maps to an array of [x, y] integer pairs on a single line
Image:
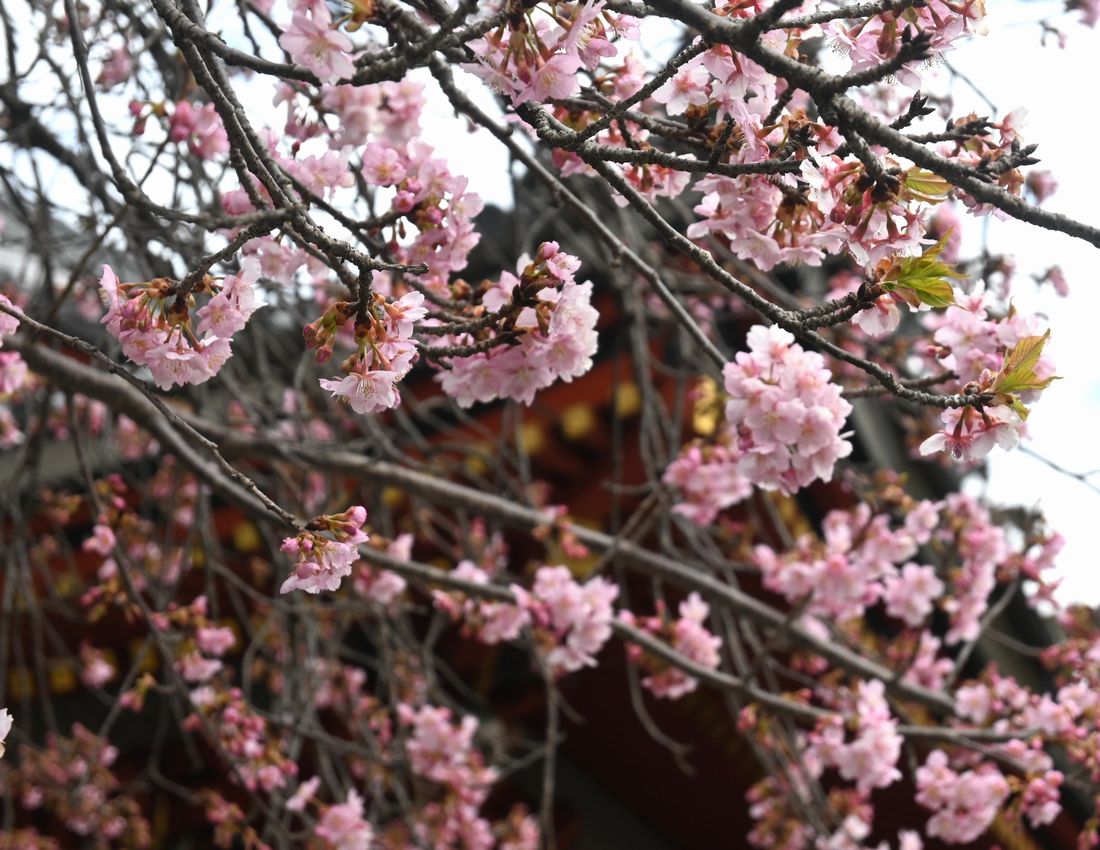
{"points": [[323, 562], [314, 43]]}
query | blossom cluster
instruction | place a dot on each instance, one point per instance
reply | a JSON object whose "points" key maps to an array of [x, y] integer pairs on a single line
{"points": [[979, 347], [343, 827], [786, 411], [13, 379], [490, 622], [869, 42], [200, 127], [782, 428], [870, 760], [570, 621], [256, 751], [546, 330], [443, 751], [152, 321], [148, 559], [385, 351], [536, 58], [430, 197], [426, 210], [321, 562], [69, 780], [964, 804], [687, 635], [385, 117], [708, 480], [206, 643], [440, 750], [865, 558]]}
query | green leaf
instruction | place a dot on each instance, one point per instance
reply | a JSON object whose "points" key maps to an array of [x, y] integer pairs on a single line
{"points": [[924, 278], [933, 291], [1017, 405], [1018, 371], [924, 185]]}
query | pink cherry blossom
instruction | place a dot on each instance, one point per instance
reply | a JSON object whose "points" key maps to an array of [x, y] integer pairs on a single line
{"points": [[5, 727], [690, 638], [342, 826], [229, 311], [200, 127], [306, 791], [785, 414], [13, 372], [384, 586], [215, 641], [560, 349], [102, 540], [118, 68], [964, 804], [573, 620], [313, 43], [441, 750], [8, 324], [323, 562], [194, 668], [95, 669], [556, 79], [910, 594], [365, 392], [688, 87], [382, 166]]}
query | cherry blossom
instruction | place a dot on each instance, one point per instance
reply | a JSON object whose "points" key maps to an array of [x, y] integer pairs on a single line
{"points": [[5, 727], [118, 68], [687, 635], [708, 480], [313, 43], [153, 325], [13, 372], [215, 641], [200, 127], [9, 324], [964, 804], [782, 428], [96, 670], [572, 621], [557, 336], [385, 586], [342, 826], [491, 622], [366, 392], [229, 310], [687, 88], [322, 562], [441, 750], [910, 593]]}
